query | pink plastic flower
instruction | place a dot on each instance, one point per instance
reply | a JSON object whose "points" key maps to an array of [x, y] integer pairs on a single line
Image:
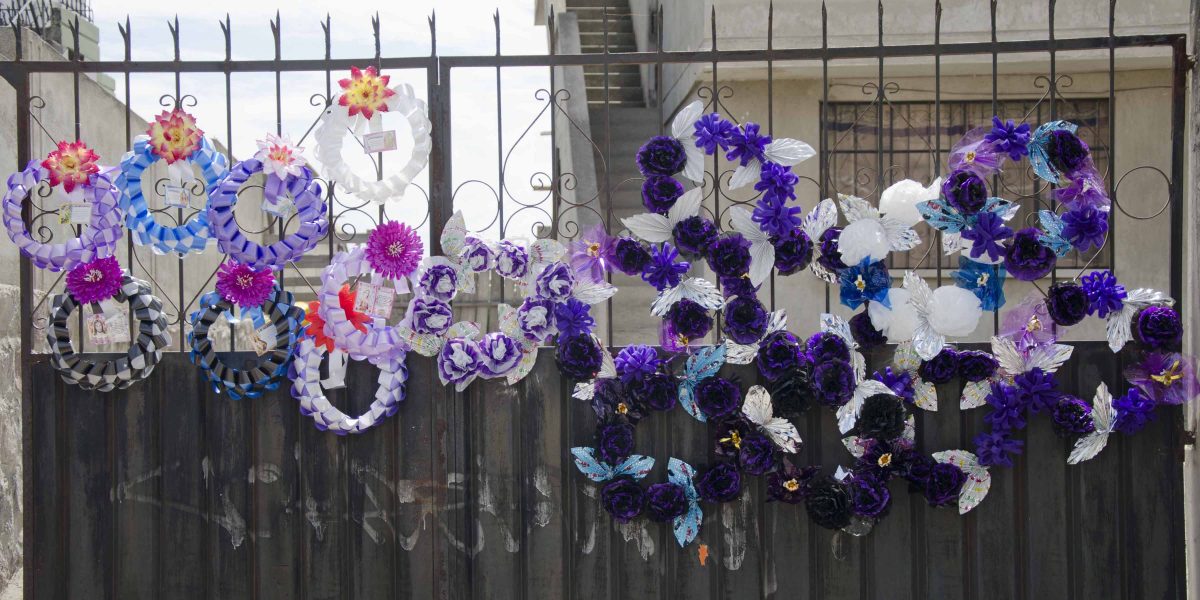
{"points": [[394, 250], [174, 135], [243, 285], [71, 165], [365, 92], [95, 281]]}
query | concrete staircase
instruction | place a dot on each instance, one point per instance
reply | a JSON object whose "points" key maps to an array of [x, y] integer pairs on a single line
{"points": [[624, 81]]}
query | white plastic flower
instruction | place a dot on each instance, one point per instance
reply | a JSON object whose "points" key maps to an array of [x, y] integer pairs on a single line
{"points": [[948, 311], [870, 234], [279, 156], [899, 201], [897, 322]]}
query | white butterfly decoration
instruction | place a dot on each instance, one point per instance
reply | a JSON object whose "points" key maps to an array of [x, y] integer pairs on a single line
{"points": [[683, 129], [978, 482], [1048, 357], [586, 390], [847, 414], [1119, 322], [743, 354], [656, 228], [757, 407], [781, 151], [924, 393], [947, 311], [762, 251], [870, 234], [698, 290], [823, 216], [838, 326], [1104, 421]]}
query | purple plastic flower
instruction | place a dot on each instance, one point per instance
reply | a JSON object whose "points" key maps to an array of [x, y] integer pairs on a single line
{"points": [[1028, 324], [1165, 378], [1067, 303], [659, 193], [865, 333], [738, 287], [658, 391], [535, 319], [1008, 407], [689, 320], [757, 455], [579, 357], [789, 484], [966, 191], [1158, 328], [727, 435], [1036, 388], [833, 382], [573, 317], [458, 362], [745, 319], [793, 252], [986, 236], [431, 316], [943, 484], [777, 181], [713, 131], [1134, 410], [1067, 153], [477, 255], [693, 235], [825, 346], [1027, 258], [394, 249], [828, 503], [614, 441], [661, 271], [665, 501], [1085, 227], [590, 254], [866, 281], [719, 483], [779, 353], [1084, 188], [498, 354], [613, 401], [1072, 416], [637, 362], [900, 382], [729, 256], [831, 257], [662, 155], [440, 281], [629, 256], [1009, 138], [975, 366], [1104, 294], [718, 397], [623, 498], [869, 496], [775, 217], [746, 144], [996, 448], [100, 280], [244, 285], [512, 260], [555, 282], [941, 368]]}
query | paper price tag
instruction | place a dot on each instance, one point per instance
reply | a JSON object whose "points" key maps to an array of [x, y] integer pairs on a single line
{"points": [[385, 297], [79, 213], [176, 196], [264, 338], [107, 327], [379, 141], [364, 296], [280, 206]]}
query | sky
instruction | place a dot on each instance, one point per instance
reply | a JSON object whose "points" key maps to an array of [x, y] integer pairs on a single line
{"points": [[465, 27]]}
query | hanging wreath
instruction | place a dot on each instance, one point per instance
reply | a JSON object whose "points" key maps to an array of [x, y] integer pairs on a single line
{"points": [[358, 110], [173, 137], [287, 179], [307, 389], [92, 283], [72, 170]]}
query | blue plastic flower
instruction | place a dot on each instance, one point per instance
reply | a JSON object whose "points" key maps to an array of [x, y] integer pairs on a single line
{"points": [[662, 271], [1104, 294], [746, 144], [1010, 138], [572, 318], [985, 281], [775, 217], [1085, 227], [865, 281], [712, 131], [1134, 410], [777, 180], [986, 236]]}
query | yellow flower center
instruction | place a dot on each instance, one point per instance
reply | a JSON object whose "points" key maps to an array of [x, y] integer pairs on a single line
{"points": [[1034, 324], [593, 249], [622, 408], [884, 459], [683, 340], [1172, 374], [734, 439], [791, 485], [970, 156], [860, 284], [69, 162], [94, 275]]}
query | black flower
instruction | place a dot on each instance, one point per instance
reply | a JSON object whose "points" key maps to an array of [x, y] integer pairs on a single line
{"points": [[1067, 303], [1066, 151], [976, 366], [579, 356], [792, 392], [757, 455], [943, 484], [882, 418], [718, 397], [828, 503]]}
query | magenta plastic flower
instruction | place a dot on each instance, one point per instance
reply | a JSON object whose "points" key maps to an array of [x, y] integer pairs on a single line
{"points": [[1167, 378], [394, 250], [95, 281], [243, 285]]}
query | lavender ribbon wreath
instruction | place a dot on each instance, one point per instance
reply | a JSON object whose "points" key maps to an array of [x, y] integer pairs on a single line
{"points": [[305, 374], [381, 340], [191, 236], [98, 240], [310, 212]]}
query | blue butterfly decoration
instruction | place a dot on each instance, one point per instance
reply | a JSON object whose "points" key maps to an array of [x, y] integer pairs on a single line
{"points": [[984, 280], [941, 216], [636, 466], [687, 525], [1052, 233], [700, 366], [1039, 158]]}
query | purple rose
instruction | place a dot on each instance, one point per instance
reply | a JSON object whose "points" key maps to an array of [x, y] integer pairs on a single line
{"points": [[1027, 258], [629, 256], [431, 316], [833, 382], [740, 287], [1158, 328], [792, 252], [614, 441], [1067, 303], [440, 281], [718, 397], [976, 366], [659, 193], [831, 257], [757, 454], [665, 501], [661, 155], [477, 255], [828, 503], [623, 498], [825, 346], [719, 483], [657, 391], [458, 361], [941, 368], [865, 333], [512, 261], [555, 282], [729, 255], [498, 354], [1067, 153], [688, 319], [535, 318], [694, 234], [965, 191], [869, 497], [779, 353], [1072, 417], [635, 363], [943, 484], [745, 320], [579, 357]]}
